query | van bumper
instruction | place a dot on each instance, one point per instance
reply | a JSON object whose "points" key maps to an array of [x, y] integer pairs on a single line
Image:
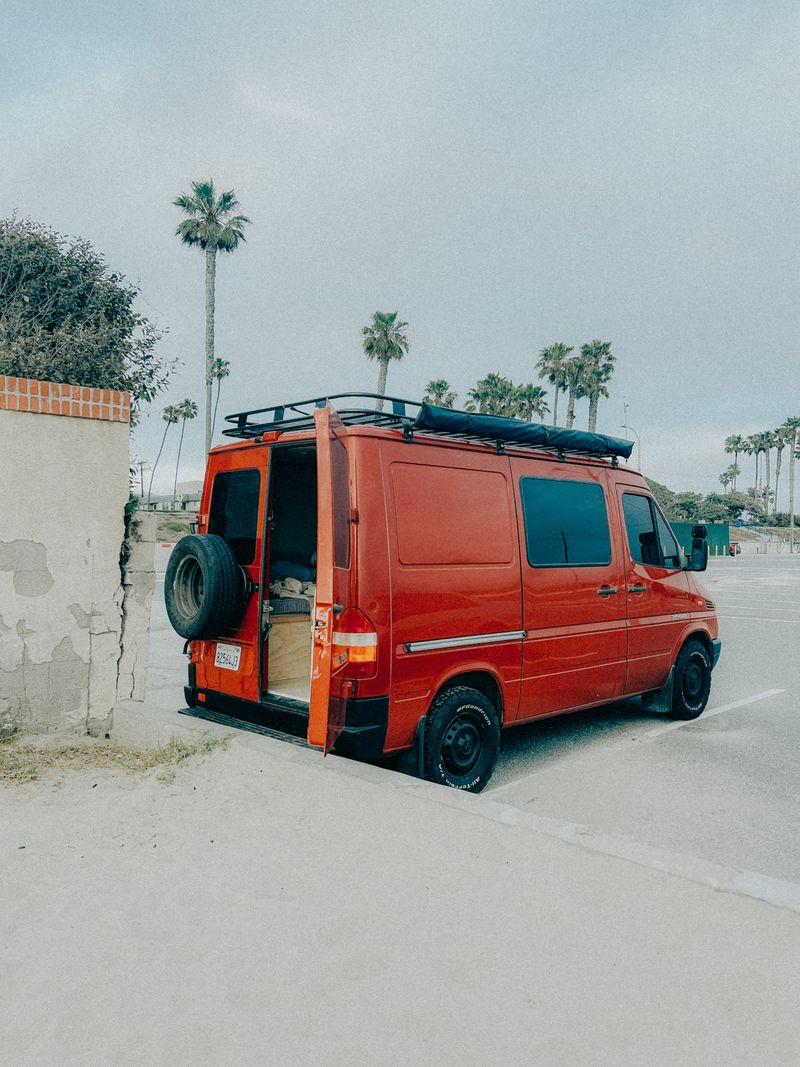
{"points": [[365, 723], [716, 648], [366, 719]]}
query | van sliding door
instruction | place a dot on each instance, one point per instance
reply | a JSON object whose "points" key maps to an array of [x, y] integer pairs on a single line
{"points": [[326, 710]]}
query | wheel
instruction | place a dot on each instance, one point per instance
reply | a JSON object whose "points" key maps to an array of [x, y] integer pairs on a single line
{"points": [[691, 681], [462, 739], [203, 587]]}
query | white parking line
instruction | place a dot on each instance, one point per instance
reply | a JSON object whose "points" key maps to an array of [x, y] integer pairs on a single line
{"points": [[759, 618], [716, 711]]}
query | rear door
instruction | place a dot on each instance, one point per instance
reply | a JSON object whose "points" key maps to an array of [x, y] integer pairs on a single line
{"points": [[656, 590], [326, 707], [574, 652], [234, 512]]}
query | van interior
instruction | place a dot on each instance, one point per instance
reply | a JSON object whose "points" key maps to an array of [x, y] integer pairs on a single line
{"points": [[291, 549]]}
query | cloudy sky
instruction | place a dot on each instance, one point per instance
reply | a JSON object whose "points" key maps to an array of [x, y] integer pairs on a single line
{"points": [[505, 174]]}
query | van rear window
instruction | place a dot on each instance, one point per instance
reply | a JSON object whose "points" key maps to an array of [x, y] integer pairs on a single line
{"points": [[234, 511], [566, 523]]}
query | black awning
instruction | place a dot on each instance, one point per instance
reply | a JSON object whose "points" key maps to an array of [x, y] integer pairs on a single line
{"points": [[514, 431]]}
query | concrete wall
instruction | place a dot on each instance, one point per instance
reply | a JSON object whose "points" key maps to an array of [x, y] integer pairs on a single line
{"points": [[64, 473]]}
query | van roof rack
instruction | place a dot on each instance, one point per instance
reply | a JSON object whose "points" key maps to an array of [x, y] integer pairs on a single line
{"points": [[412, 416]]}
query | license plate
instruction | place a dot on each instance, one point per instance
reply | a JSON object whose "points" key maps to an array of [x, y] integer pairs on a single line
{"points": [[228, 656]]}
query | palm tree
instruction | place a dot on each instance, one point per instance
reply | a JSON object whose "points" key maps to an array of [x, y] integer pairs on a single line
{"points": [[735, 444], [753, 448], [212, 227], [529, 400], [725, 479], [384, 339], [782, 437], [552, 365], [733, 472], [573, 373], [768, 442], [437, 392], [492, 395], [187, 409], [598, 369], [170, 415], [792, 424], [220, 369]]}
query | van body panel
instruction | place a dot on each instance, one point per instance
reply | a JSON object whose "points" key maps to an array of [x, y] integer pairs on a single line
{"points": [[455, 573], [574, 652]]}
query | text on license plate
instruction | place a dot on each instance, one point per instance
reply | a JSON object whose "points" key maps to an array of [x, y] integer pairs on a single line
{"points": [[228, 656]]}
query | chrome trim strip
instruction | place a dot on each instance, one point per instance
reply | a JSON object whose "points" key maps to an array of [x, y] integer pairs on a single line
{"points": [[460, 642]]}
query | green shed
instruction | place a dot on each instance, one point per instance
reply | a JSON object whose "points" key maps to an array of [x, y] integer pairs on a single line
{"points": [[719, 534]]}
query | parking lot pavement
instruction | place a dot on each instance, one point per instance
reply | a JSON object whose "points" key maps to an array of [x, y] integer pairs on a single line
{"points": [[722, 789]]}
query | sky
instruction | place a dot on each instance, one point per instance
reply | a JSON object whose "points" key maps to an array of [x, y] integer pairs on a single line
{"points": [[503, 174]]}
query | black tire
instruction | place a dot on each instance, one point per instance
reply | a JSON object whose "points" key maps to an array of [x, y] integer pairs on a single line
{"points": [[462, 739], [203, 587], [691, 683]]}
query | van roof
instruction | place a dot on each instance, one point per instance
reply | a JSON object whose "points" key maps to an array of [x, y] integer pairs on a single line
{"points": [[411, 416]]}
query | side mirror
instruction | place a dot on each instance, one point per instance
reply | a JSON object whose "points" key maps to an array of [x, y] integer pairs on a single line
{"points": [[698, 560]]}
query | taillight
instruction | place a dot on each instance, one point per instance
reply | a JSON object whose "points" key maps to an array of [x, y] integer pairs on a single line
{"points": [[355, 645]]}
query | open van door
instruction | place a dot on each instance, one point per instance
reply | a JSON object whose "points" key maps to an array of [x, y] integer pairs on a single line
{"points": [[326, 715]]}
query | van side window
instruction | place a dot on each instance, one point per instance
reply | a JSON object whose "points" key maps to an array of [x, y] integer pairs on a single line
{"points": [[451, 516], [234, 511], [566, 523], [650, 539], [341, 504]]}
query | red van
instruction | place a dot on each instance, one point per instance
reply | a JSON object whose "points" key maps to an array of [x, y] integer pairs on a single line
{"points": [[416, 579]]}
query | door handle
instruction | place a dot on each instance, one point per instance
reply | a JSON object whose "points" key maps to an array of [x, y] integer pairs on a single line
{"points": [[607, 590], [637, 588]]}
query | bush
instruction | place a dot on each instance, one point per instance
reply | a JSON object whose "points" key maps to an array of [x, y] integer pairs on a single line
{"points": [[64, 317]]}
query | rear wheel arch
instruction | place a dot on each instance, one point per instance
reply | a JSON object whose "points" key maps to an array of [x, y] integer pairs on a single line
{"points": [[483, 681]]}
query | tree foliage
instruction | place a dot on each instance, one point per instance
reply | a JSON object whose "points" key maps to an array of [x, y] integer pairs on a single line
{"points": [[211, 223], [65, 317], [496, 395]]}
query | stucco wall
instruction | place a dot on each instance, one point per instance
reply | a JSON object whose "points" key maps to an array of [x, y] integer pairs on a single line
{"points": [[63, 489]]}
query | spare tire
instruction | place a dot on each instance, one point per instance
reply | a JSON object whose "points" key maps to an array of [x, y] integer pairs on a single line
{"points": [[203, 587]]}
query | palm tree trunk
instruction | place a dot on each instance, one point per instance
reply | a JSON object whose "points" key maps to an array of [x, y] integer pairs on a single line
{"points": [[778, 461], [216, 405], [735, 464], [211, 277], [555, 407], [158, 457], [793, 447], [571, 408], [177, 465], [766, 480], [594, 400], [383, 367]]}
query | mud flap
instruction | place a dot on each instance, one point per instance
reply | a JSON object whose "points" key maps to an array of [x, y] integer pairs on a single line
{"points": [[412, 760], [659, 701]]}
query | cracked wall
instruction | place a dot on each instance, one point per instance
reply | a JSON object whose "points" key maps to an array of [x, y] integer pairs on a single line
{"points": [[63, 489]]}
